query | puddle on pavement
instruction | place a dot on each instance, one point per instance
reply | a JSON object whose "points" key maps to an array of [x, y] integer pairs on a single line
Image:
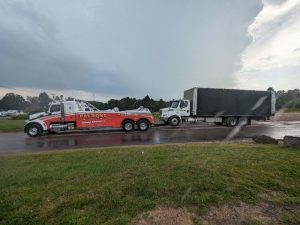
{"points": [[20, 141]]}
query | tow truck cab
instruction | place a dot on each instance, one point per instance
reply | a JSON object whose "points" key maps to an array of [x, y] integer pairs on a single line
{"points": [[71, 107], [70, 115]]}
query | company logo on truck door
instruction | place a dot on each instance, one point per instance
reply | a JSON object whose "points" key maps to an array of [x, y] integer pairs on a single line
{"points": [[93, 115]]}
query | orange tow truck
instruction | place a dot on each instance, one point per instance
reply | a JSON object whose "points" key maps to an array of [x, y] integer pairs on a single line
{"points": [[81, 115]]}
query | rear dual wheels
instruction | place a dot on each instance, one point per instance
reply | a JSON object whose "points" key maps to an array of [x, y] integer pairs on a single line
{"points": [[234, 121], [128, 125], [143, 125], [243, 121]]}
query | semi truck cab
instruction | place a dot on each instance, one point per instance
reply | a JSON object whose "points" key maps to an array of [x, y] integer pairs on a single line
{"points": [[178, 110]]}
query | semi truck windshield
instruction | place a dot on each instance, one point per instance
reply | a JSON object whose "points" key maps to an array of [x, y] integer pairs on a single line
{"points": [[174, 104]]}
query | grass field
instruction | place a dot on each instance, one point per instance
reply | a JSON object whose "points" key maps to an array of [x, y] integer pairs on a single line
{"points": [[8, 125], [293, 110], [114, 185]]}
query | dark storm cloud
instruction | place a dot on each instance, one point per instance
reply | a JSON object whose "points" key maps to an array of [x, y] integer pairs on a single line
{"points": [[31, 57], [119, 47], [30, 64]]}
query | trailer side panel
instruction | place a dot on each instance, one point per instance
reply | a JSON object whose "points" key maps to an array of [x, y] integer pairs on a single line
{"points": [[230, 102]]}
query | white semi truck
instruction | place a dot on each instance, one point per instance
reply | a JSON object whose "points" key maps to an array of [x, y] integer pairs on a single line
{"points": [[229, 107]]}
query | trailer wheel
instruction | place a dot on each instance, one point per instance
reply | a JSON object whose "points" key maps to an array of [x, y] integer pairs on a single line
{"points": [[243, 121], [231, 121], [34, 130], [143, 125], [174, 121], [128, 125]]}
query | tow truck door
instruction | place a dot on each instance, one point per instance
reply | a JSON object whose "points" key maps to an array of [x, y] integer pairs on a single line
{"points": [[87, 118]]}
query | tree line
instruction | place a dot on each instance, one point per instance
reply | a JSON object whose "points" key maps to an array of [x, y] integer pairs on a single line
{"points": [[132, 103], [32, 104], [288, 99], [41, 102]]}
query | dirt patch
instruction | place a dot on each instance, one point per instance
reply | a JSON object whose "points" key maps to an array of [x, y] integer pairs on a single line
{"points": [[166, 216], [271, 196], [286, 116], [262, 213], [266, 212]]}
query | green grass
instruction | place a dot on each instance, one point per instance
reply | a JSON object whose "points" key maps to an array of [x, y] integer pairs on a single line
{"points": [[113, 185], [8, 125], [293, 110]]}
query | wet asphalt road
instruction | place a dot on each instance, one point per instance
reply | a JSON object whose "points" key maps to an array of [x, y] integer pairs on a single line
{"points": [[20, 142]]}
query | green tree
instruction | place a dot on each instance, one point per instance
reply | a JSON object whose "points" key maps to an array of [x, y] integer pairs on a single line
{"points": [[131, 103], [288, 99], [33, 100], [44, 100], [13, 101]]}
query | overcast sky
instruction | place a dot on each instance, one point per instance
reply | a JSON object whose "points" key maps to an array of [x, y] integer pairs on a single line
{"points": [[114, 48]]}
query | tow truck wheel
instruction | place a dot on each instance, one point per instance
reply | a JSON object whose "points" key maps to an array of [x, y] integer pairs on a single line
{"points": [[34, 130], [174, 121], [128, 126], [143, 125]]}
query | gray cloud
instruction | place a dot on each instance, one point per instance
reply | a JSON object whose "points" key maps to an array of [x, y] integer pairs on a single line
{"points": [[296, 49], [26, 63], [37, 60], [120, 48], [267, 58]]}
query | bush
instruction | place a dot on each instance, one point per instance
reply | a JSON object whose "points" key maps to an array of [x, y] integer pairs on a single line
{"points": [[20, 117]]}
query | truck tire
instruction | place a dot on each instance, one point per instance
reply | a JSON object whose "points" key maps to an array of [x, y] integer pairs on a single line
{"points": [[243, 121], [174, 121], [34, 130], [128, 125], [143, 125], [232, 121]]}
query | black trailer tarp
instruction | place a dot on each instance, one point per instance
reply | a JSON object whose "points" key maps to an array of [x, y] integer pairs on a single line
{"points": [[229, 102]]}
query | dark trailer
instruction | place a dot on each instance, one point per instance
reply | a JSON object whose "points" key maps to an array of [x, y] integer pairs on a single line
{"points": [[231, 106]]}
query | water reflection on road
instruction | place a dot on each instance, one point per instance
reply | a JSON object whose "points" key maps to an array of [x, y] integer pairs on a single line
{"points": [[13, 142]]}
